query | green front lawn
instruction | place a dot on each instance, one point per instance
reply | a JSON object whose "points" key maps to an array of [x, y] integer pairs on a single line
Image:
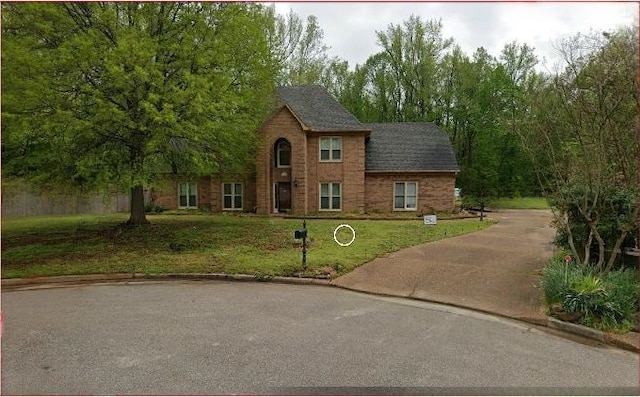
{"points": [[91, 244], [521, 203]]}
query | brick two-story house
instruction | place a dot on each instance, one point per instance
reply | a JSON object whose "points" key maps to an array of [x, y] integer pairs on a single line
{"points": [[315, 156]]}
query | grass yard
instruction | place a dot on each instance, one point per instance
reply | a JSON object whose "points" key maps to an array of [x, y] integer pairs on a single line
{"points": [[94, 244], [521, 203]]}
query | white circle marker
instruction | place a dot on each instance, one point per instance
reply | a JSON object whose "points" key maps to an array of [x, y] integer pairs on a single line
{"points": [[352, 238]]}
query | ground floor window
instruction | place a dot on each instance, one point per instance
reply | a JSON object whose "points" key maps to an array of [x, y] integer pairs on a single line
{"points": [[232, 196], [330, 196], [188, 195], [405, 196]]}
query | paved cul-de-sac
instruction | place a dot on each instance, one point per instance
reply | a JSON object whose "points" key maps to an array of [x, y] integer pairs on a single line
{"points": [[264, 338]]}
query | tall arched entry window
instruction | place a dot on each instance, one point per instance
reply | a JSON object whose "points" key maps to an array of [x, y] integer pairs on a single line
{"points": [[281, 175], [282, 153]]}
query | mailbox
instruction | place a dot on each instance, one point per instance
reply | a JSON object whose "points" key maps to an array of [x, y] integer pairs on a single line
{"points": [[302, 234]]}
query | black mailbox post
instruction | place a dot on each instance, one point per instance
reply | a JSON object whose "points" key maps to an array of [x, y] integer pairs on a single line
{"points": [[302, 234]]}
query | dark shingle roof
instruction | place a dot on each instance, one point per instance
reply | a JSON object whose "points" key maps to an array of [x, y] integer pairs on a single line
{"points": [[409, 147], [317, 109]]}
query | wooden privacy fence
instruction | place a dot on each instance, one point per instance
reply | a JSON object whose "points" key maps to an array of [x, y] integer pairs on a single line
{"points": [[18, 201]]}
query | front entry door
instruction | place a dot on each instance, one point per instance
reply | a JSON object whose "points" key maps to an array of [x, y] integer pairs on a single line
{"points": [[283, 196]]}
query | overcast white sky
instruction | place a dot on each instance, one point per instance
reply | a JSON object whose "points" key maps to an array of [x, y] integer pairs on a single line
{"points": [[349, 28]]}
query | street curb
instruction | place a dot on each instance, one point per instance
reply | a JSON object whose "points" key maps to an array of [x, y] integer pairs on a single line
{"points": [[235, 277], [601, 336], [576, 329], [61, 281], [15, 283], [610, 339], [12, 283]]}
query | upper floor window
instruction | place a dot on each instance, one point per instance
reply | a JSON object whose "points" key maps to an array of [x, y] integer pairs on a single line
{"points": [[188, 195], [330, 149], [283, 153]]}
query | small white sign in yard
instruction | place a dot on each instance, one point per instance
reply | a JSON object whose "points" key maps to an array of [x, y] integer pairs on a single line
{"points": [[430, 220]]}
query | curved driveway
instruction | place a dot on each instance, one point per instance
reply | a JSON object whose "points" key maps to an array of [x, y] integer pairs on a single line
{"points": [[494, 270], [182, 338]]}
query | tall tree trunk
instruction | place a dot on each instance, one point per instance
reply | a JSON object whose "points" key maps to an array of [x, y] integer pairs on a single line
{"points": [[564, 218], [137, 216], [614, 253], [600, 240], [587, 248]]}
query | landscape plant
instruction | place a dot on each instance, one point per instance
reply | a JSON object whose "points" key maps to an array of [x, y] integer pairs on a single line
{"points": [[605, 301], [556, 278]]}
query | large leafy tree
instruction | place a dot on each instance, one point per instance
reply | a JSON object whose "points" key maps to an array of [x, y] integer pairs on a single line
{"points": [[482, 100], [112, 94], [581, 135], [411, 54], [420, 75], [476, 127], [299, 51], [518, 82]]}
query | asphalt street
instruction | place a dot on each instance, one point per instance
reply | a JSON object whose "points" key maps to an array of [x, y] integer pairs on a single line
{"points": [[265, 338]]}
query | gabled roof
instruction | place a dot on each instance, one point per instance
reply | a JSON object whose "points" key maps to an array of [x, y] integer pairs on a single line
{"points": [[408, 147], [317, 109]]}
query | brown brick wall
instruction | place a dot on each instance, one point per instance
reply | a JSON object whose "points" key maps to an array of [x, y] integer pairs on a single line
{"points": [[204, 193], [349, 171], [165, 191], [281, 125], [248, 194], [307, 172], [435, 191]]}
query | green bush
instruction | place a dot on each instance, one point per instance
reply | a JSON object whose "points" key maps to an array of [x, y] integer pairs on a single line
{"points": [[614, 211], [623, 290], [585, 295], [609, 302], [154, 208]]}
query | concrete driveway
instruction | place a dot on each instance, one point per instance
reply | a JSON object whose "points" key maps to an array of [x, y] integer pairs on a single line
{"points": [[495, 270]]}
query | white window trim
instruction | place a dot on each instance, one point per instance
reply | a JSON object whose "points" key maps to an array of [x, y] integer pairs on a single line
{"points": [[330, 196], [278, 165], [405, 196], [331, 159], [187, 207], [274, 197], [233, 195]]}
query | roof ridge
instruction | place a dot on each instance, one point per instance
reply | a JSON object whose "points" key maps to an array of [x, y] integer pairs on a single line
{"points": [[317, 109], [403, 122]]}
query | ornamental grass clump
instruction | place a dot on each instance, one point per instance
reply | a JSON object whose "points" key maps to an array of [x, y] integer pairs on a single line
{"points": [[556, 278]]}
